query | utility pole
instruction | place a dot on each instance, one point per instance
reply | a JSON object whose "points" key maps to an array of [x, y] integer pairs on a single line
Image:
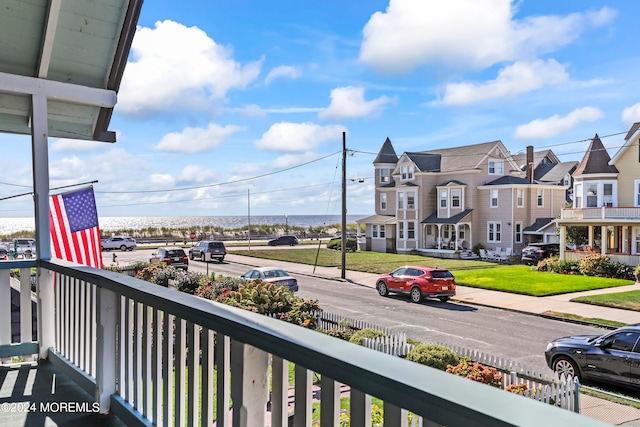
{"points": [[344, 205]]}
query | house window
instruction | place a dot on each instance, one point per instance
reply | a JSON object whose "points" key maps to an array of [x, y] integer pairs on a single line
{"points": [[385, 176], [429, 232], [455, 198], [411, 201], [494, 198], [637, 187], [383, 201], [374, 230], [382, 231], [592, 195], [461, 233], [411, 230], [443, 199], [401, 230], [540, 198], [400, 201], [607, 194], [445, 229], [578, 196], [494, 232], [520, 197], [518, 232], [406, 172], [496, 167]]}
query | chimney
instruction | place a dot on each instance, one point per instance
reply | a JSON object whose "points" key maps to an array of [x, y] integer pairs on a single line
{"points": [[530, 164]]}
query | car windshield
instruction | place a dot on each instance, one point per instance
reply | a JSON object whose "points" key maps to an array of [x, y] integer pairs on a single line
{"points": [[270, 274], [175, 252], [441, 274]]}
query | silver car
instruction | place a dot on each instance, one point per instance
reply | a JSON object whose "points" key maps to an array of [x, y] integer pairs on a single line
{"points": [[274, 275], [118, 242]]}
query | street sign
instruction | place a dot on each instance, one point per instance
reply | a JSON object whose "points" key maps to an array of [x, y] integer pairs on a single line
{"points": [[193, 235]]}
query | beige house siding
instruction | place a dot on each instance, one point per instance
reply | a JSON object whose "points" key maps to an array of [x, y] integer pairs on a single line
{"points": [[629, 167]]}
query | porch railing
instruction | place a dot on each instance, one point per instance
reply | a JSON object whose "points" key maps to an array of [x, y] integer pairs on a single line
{"points": [[154, 355], [622, 213]]}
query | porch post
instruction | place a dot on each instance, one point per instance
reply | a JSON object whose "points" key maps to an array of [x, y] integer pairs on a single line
{"points": [[107, 315], [249, 385], [563, 241], [439, 236], [40, 165], [603, 239], [590, 236]]}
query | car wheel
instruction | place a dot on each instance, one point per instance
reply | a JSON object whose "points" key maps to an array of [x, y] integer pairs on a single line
{"points": [[565, 366], [444, 299], [203, 258], [416, 295], [221, 259], [191, 255], [382, 289], [123, 248]]}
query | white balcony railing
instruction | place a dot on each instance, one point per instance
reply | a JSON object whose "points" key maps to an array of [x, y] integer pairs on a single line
{"points": [[620, 213], [153, 355]]}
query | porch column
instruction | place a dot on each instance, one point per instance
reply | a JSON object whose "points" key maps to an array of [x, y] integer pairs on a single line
{"points": [[439, 239], [603, 239], [563, 241], [249, 385], [590, 228], [40, 156]]}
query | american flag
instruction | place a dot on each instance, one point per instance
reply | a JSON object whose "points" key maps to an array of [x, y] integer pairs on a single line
{"points": [[75, 233]]}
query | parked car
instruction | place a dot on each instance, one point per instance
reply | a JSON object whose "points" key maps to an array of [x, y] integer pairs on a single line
{"points": [[535, 252], [206, 250], [418, 282], [123, 243], [272, 275], [173, 256], [613, 357], [283, 241], [23, 246]]}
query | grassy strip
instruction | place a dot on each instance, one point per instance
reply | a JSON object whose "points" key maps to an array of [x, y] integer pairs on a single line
{"points": [[585, 319], [519, 279], [610, 397], [625, 300]]}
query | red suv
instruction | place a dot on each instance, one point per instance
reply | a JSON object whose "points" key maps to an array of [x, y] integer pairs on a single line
{"points": [[418, 282]]}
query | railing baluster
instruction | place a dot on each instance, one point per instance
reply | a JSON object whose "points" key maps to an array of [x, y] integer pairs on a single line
{"points": [[279, 391], [156, 367], [303, 397], [107, 317], [360, 409], [193, 366], [82, 322], [395, 416], [223, 383], [207, 365], [167, 368], [179, 366], [26, 314], [147, 380], [329, 402], [5, 312], [128, 355]]}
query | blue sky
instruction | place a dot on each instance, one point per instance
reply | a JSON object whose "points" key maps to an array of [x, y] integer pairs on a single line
{"points": [[224, 99]]}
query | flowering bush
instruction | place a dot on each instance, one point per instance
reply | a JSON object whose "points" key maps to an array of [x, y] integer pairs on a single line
{"points": [[476, 372], [517, 388]]}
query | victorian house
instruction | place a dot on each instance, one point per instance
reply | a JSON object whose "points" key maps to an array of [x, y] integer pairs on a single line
{"points": [[444, 201]]}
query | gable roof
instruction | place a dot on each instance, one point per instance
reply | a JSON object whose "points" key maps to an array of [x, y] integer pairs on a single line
{"points": [[386, 154], [595, 160], [470, 157], [425, 162], [553, 172], [433, 218], [538, 158], [72, 52], [538, 225], [508, 180], [632, 136]]}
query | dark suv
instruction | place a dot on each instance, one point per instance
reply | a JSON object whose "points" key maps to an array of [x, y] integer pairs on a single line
{"points": [[207, 250], [534, 252], [283, 241], [171, 256]]}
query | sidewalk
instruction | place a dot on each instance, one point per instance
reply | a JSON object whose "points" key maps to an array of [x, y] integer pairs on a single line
{"points": [[505, 300]]}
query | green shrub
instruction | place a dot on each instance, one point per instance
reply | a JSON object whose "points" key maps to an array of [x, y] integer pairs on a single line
{"points": [[595, 265], [188, 281], [548, 264], [568, 267], [476, 248], [343, 334], [366, 333], [434, 355], [336, 244]]}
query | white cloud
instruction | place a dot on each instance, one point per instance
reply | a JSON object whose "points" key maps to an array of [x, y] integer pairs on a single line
{"points": [[282, 71], [195, 140], [474, 33], [288, 160], [521, 77], [163, 180], [348, 102], [197, 173], [76, 145], [177, 65], [630, 115], [299, 137], [555, 125]]}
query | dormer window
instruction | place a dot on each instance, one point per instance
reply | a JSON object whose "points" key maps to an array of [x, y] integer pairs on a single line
{"points": [[406, 172], [496, 167]]}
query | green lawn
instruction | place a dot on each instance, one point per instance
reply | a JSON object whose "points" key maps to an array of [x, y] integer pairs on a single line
{"points": [[625, 300], [518, 279]]}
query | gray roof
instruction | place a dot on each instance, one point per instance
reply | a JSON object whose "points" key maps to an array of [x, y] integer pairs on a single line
{"points": [[553, 173], [377, 219], [463, 158], [538, 225], [595, 160], [508, 180], [426, 162], [433, 218], [386, 154], [538, 158], [64, 49]]}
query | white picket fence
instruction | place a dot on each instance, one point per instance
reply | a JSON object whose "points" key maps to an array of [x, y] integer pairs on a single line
{"points": [[552, 389]]}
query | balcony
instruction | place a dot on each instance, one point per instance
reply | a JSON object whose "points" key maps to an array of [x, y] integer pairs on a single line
{"points": [[615, 214], [155, 356]]}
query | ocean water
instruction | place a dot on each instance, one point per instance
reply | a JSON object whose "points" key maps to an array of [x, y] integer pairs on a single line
{"points": [[13, 225]]}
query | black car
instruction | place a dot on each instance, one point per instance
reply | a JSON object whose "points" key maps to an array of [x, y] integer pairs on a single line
{"points": [[207, 250], [613, 357], [535, 252], [175, 257], [283, 241]]}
